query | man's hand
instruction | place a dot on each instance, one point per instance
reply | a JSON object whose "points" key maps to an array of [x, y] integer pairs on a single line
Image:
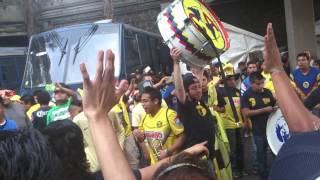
{"points": [[176, 55], [138, 135], [198, 149], [163, 154], [99, 94], [272, 58]]}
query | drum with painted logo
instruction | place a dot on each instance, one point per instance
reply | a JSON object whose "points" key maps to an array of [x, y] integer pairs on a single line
{"points": [[192, 27], [277, 131]]}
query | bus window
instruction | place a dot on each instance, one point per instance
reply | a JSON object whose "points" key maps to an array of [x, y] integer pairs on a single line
{"points": [[131, 52]]}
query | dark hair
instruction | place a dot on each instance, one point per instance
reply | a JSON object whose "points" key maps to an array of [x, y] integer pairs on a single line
{"points": [[303, 54], [64, 85], [153, 93], [241, 63], [206, 74], [36, 92], [26, 154], [28, 99], [251, 62], [183, 167], [43, 98], [1, 101], [66, 140], [256, 76]]}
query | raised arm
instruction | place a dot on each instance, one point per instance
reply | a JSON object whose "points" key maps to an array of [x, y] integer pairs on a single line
{"points": [[98, 99], [179, 89], [299, 119]]}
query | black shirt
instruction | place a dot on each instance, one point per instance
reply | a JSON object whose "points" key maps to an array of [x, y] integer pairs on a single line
{"points": [[199, 124], [39, 118], [257, 100]]}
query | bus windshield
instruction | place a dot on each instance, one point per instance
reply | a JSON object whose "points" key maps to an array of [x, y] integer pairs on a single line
{"points": [[55, 56]]}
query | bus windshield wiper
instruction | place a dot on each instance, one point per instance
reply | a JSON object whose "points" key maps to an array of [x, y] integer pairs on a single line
{"points": [[63, 51], [87, 36]]}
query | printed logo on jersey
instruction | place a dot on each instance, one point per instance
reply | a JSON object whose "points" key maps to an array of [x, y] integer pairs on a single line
{"points": [[154, 135], [252, 102], [306, 84], [201, 110], [266, 100], [159, 124]]}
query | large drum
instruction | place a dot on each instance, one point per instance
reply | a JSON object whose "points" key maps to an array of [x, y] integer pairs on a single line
{"points": [[277, 131], [192, 27]]}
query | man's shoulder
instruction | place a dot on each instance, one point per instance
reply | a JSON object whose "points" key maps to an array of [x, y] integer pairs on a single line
{"points": [[248, 92], [267, 91]]}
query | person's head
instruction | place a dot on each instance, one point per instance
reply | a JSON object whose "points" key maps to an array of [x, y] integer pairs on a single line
{"points": [[303, 61], [251, 67], [183, 167], [75, 108], [66, 140], [257, 81], [192, 87], [26, 154], [151, 99], [316, 63], [121, 88], [231, 81], [242, 66], [205, 80], [27, 101], [35, 95], [43, 98], [214, 69], [60, 96]]}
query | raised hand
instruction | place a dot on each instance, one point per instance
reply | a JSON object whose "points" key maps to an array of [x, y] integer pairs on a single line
{"points": [[272, 58], [99, 94], [175, 54]]}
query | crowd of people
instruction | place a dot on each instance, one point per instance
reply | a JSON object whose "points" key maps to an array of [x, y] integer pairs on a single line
{"points": [[155, 126]]}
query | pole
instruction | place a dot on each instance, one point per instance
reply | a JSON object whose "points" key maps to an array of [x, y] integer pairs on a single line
{"points": [[233, 108]]}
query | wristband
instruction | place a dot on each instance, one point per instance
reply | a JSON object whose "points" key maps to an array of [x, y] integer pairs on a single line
{"points": [[276, 69], [177, 61]]}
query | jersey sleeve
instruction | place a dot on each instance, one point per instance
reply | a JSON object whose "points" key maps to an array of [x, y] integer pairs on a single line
{"points": [[244, 102], [174, 122]]}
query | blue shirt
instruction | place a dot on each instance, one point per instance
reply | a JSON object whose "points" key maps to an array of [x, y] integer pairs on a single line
{"points": [[9, 125], [306, 83]]}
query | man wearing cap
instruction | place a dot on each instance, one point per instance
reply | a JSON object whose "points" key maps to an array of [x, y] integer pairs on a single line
{"points": [[232, 126], [199, 124], [63, 96]]}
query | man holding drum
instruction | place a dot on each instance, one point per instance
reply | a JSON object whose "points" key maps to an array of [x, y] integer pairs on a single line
{"points": [[198, 122]]}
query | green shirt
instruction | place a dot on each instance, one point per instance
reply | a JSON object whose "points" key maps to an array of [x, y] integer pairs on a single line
{"points": [[60, 112]]}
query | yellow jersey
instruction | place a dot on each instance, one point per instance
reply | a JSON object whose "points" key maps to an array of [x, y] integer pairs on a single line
{"points": [[160, 131]]}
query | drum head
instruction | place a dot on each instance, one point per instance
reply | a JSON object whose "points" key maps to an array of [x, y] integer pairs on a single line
{"points": [[205, 20], [277, 131], [193, 28]]}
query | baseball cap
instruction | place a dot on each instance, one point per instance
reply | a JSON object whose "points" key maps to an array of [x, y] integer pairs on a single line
{"points": [[189, 79], [298, 158]]}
